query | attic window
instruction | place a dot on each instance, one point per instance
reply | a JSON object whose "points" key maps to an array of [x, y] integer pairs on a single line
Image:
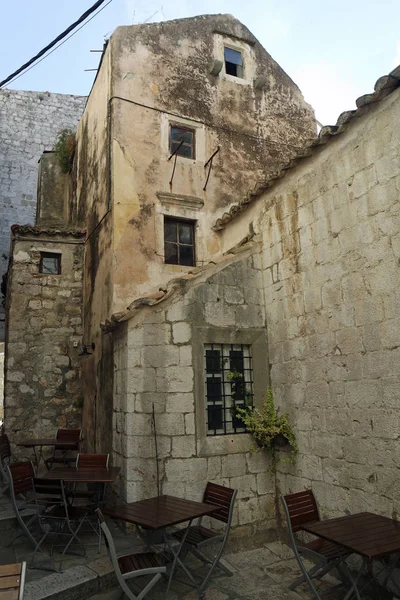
{"points": [[233, 62], [181, 141]]}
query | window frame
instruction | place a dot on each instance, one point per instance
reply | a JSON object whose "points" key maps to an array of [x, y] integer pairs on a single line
{"points": [[56, 255], [186, 129], [223, 379], [178, 220], [239, 66], [256, 337]]}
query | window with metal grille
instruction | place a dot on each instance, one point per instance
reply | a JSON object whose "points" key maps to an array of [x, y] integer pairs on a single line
{"points": [[178, 242], [181, 141], [233, 62], [50, 263], [228, 384]]}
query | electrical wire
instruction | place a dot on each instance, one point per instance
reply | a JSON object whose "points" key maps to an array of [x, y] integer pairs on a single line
{"points": [[44, 52]]}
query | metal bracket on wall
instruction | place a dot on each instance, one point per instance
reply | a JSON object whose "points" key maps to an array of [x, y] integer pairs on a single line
{"points": [[209, 162], [175, 153]]}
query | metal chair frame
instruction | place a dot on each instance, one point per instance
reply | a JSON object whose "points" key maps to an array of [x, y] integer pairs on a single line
{"points": [[299, 509], [5, 459], [55, 515], [122, 578], [60, 455], [20, 477], [198, 537]]}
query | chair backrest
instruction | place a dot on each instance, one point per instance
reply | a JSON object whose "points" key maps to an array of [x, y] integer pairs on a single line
{"points": [[300, 508], [92, 460], [12, 581], [221, 496], [48, 494], [21, 475], [5, 448], [69, 436]]}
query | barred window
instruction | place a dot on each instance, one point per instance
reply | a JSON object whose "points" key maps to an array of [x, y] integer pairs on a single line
{"points": [[229, 384]]}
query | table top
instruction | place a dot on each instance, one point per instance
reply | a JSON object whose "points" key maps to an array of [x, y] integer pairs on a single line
{"points": [[367, 534], [84, 474], [160, 512], [46, 442]]}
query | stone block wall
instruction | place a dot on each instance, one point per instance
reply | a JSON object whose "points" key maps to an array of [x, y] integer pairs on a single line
{"points": [[29, 123], [159, 362], [331, 252], [44, 334]]}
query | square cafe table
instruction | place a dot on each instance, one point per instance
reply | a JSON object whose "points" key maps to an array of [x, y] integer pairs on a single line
{"points": [[162, 512], [371, 536], [40, 443], [83, 474]]}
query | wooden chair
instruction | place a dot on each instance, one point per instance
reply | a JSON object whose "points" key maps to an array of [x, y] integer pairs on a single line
{"points": [[56, 517], [199, 537], [301, 508], [12, 581], [20, 476], [131, 566], [87, 461], [5, 459], [72, 438]]}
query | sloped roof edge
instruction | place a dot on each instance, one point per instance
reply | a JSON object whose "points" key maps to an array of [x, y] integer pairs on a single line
{"points": [[383, 87]]}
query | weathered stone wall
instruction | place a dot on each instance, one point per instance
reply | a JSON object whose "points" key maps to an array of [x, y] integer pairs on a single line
{"points": [[160, 361], [44, 334], [331, 250], [29, 123]]}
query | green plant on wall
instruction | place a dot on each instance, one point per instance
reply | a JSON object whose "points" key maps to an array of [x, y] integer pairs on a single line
{"points": [[65, 149], [270, 429]]}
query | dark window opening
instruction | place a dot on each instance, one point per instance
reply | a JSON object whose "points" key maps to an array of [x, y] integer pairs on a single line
{"points": [[50, 263], [181, 140], [179, 242], [233, 62], [229, 384]]}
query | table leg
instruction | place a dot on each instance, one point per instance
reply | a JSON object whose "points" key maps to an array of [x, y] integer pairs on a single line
{"points": [[177, 560]]}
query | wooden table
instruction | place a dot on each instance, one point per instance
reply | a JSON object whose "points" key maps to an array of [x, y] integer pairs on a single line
{"points": [[83, 474], [41, 443], [12, 580], [371, 536], [160, 513]]}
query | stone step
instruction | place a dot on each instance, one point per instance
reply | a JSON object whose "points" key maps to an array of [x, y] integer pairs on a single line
{"points": [[8, 521], [76, 583]]}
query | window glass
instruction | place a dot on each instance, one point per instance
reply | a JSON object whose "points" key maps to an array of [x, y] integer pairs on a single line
{"points": [[50, 264], [179, 242], [182, 141], [229, 383], [233, 62]]}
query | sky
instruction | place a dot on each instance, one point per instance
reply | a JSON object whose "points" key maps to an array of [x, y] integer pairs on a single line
{"points": [[334, 50]]}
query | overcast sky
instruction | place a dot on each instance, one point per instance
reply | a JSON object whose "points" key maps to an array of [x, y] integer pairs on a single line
{"points": [[334, 50]]}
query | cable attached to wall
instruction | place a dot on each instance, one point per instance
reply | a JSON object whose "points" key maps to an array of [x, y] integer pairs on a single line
{"points": [[153, 420]]}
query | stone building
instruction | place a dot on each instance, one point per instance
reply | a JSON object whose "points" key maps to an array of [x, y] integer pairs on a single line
{"points": [[169, 257], [29, 123]]}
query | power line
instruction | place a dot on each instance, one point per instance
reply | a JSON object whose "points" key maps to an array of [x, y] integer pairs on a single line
{"points": [[60, 37]]}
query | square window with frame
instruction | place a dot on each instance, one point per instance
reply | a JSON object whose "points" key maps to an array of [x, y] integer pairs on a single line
{"points": [[228, 384], [233, 62], [179, 242], [50, 263], [182, 141]]}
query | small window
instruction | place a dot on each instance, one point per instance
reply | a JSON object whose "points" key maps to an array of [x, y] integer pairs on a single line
{"points": [[182, 141], [233, 62], [179, 242], [50, 264], [228, 384]]}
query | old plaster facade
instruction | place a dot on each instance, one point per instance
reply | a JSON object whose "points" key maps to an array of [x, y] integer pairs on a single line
{"points": [[301, 274]]}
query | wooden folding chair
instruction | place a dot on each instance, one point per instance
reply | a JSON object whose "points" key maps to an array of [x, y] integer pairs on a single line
{"points": [[20, 476], [12, 581], [301, 508], [131, 566], [199, 538], [72, 438], [5, 459]]}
